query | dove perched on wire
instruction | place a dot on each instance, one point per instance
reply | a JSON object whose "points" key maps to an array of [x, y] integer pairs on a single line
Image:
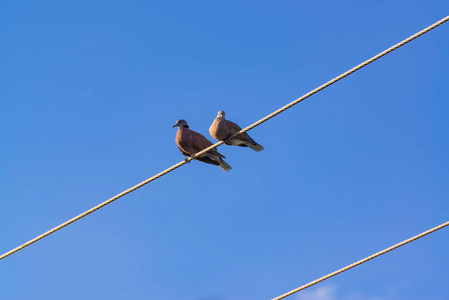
{"points": [[222, 129], [190, 142]]}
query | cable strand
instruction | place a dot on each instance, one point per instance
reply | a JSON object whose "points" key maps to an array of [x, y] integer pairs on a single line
{"points": [[219, 143], [362, 261]]}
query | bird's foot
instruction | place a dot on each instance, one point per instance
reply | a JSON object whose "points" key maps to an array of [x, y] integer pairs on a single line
{"points": [[188, 159]]}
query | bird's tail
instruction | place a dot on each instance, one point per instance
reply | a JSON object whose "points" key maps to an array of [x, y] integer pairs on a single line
{"points": [[224, 165], [247, 141], [255, 146]]}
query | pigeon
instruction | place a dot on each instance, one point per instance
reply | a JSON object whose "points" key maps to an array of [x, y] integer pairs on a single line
{"points": [[190, 142], [221, 129]]}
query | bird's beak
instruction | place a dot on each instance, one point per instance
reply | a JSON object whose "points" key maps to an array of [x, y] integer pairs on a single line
{"points": [[175, 125]]}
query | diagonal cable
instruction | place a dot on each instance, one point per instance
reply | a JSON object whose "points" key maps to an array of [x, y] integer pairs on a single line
{"points": [[87, 212], [362, 261]]}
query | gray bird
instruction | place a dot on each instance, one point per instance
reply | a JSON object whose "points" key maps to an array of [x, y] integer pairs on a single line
{"points": [[221, 129], [190, 142]]}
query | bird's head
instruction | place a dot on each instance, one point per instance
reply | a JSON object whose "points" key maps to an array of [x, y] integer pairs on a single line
{"points": [[181, 123], [221, 114]]}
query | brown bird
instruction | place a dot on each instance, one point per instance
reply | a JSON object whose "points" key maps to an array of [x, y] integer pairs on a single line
{"points": [[221, 129], [191, 142]]}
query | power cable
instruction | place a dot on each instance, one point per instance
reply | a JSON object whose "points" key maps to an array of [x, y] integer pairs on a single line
{"points": [[362, 261], [400, 44]]}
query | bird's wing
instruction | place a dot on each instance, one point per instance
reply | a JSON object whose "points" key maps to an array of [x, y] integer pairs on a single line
{"points": [[231, 127]]}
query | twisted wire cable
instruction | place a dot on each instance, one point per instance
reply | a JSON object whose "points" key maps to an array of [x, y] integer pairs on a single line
{"points": [[110, 200]]}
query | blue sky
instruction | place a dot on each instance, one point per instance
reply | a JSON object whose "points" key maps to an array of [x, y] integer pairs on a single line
{"points": [[90, 90]]}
